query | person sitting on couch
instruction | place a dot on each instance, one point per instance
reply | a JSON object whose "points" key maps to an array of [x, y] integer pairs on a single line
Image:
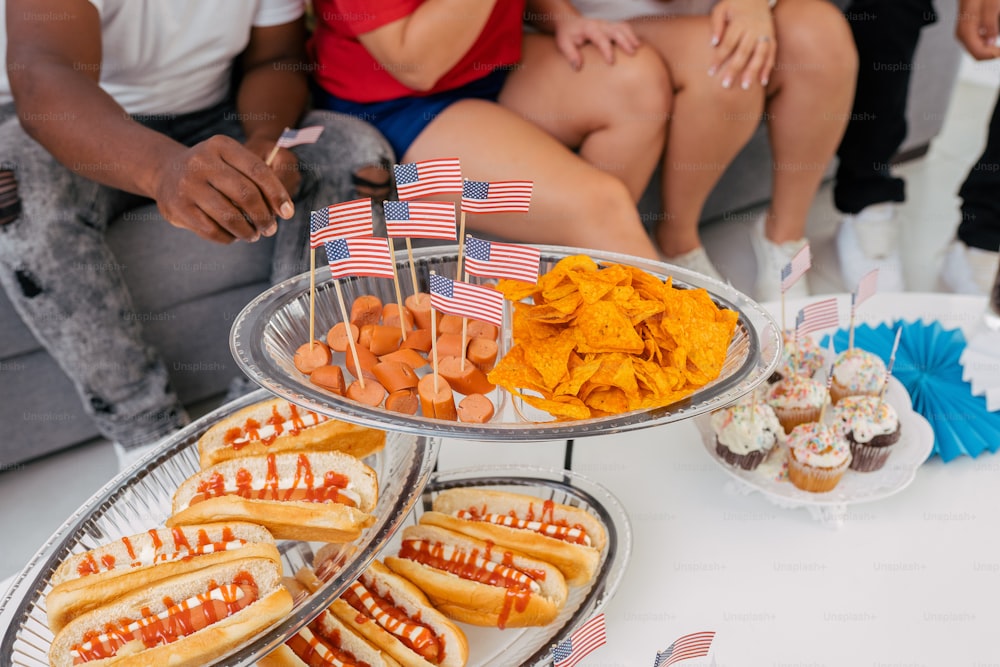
{"points": [[112, 103]]}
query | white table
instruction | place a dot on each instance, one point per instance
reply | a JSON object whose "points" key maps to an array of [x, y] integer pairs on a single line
{"points": [[910, 580]]}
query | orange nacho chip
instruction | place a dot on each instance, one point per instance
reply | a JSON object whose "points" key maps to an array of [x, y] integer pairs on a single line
{"points": [[602, 340]]}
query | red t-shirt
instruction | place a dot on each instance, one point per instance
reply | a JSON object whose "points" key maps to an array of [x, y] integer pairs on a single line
{"points": [[347, 70]]}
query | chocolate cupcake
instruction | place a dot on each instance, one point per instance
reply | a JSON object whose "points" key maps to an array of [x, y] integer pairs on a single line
{"points": [[745, 434], [872, 429]]}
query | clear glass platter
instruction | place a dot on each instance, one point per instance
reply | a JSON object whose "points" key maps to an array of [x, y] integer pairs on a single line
{"points": [[490, 647], [267, 332], [140, 499]]}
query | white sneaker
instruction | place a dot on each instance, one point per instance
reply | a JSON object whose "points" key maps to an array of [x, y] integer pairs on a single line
{"points": [[870, 240], [771, 259], [696, 260], [968, 270]]}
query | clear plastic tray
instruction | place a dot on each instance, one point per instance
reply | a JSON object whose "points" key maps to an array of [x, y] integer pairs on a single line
{"points": [[267, 332], [140, 499], [490, 647]]}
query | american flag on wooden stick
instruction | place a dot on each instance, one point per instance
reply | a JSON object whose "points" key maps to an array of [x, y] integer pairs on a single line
{"points": [[794, 270], [694, 645], [866, 288], [421, 220], [428, 177], [306, 135], [347, 220], [496, 197], [585, 640], [466, 300], [816, 316], [491, 259], [359, 257]]}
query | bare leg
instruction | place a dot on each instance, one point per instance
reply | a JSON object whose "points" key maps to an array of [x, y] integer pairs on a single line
{"points": [[809, 104], [613, 115], [709, 125]]}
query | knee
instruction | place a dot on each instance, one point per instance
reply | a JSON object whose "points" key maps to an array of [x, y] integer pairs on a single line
{"points": [[815, 41], [642, 80], [603, 198]]}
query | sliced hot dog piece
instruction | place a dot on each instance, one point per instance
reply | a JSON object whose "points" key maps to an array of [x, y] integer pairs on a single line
{"points": [[411, 358], [449, 324], [366, 309], [365, 336], [330, 378], [482, 352], [450, 345], [480, 329], [384, 339], [419, 339], [403, 401], [469, 380], [438, 404], [395, 375], [390, 316], [419, 305], [309, 357], [336, 338], [475, 409], [367, 359], [371, 394]]}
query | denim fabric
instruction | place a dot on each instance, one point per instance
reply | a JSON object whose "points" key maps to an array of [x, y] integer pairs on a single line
{"points": [[62, 278]]}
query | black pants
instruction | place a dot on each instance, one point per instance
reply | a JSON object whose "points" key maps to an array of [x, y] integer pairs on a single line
{"points": [[980, 193], [886, 34]]}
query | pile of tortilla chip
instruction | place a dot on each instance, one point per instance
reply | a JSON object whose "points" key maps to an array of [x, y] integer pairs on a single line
{"points": [[601, 340]]}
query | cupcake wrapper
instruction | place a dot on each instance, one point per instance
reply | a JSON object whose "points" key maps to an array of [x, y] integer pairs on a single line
{"points": [[747, 461], [838, 391], [816, 480], [867, 457], [792, 417]]}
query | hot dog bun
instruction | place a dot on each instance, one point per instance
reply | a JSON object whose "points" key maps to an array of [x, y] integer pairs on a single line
{"points": [[319, 636], [493, 516], [275, 425], [312, 474], [534, 600], [120, 618], [425, 638], [91, 579]]}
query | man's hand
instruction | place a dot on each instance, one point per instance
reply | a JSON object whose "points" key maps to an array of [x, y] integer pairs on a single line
{"points": [[743, 37], [978, 27], [284, 163], [222, 192]]}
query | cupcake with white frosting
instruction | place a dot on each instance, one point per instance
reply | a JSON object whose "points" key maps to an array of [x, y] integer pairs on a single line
{"points": [[857, 372], [745, 434], [872, 429], [818, 456], [799, 356], [797, 399]]}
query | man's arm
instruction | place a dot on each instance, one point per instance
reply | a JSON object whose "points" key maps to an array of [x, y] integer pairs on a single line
{"points": [[273, 93], [217, 189]]}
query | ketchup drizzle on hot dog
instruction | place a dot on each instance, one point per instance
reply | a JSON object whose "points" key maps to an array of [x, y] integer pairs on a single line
{"points": [[176, 621], [415, 635], [239, 437], [155, 536], [303, 488], [560, 530], [277, 422], [318, 649], [128, 547], [471, 565]]}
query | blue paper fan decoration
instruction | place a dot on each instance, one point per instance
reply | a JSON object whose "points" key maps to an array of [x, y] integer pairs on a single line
{"points": [[927, 365]]}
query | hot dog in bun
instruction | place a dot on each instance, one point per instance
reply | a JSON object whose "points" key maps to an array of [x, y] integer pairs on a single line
{"points": [[477, 582], [91, 579], [392, 613], [321, 496], [327, 642], [568, 537], [276, 426], [183, 621]]}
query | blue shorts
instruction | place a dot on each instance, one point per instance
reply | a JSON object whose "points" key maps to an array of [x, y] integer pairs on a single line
{"points": [[402, 120]]}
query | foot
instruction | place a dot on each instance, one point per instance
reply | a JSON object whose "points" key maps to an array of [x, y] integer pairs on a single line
{"points": [[870, 240], [968, 270], [771, 259], [696, 260]]}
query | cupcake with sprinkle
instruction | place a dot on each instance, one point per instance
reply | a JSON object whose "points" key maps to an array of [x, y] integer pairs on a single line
{"points": [[797, 399], [746, 433], [818, 456], [871, 427], [857, 372], [799, 356]]}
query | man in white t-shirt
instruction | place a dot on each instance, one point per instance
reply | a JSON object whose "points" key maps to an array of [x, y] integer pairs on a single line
{"points": [[119, 102]]}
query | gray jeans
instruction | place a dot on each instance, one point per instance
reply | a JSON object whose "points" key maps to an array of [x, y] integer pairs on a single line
{"points": [[56, 220]]}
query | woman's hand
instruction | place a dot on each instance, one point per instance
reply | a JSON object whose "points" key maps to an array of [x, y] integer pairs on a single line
{"points": [[743, 37], [573, 32]]}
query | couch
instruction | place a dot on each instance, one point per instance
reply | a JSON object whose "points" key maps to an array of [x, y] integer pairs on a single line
{"points": [[209, 284]]}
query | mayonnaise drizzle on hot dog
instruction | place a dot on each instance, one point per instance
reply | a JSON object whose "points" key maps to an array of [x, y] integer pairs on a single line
{"points": [[285, 482], [418, 635], [269, 430], [320, 649], [148, 555], [565, 533]]}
